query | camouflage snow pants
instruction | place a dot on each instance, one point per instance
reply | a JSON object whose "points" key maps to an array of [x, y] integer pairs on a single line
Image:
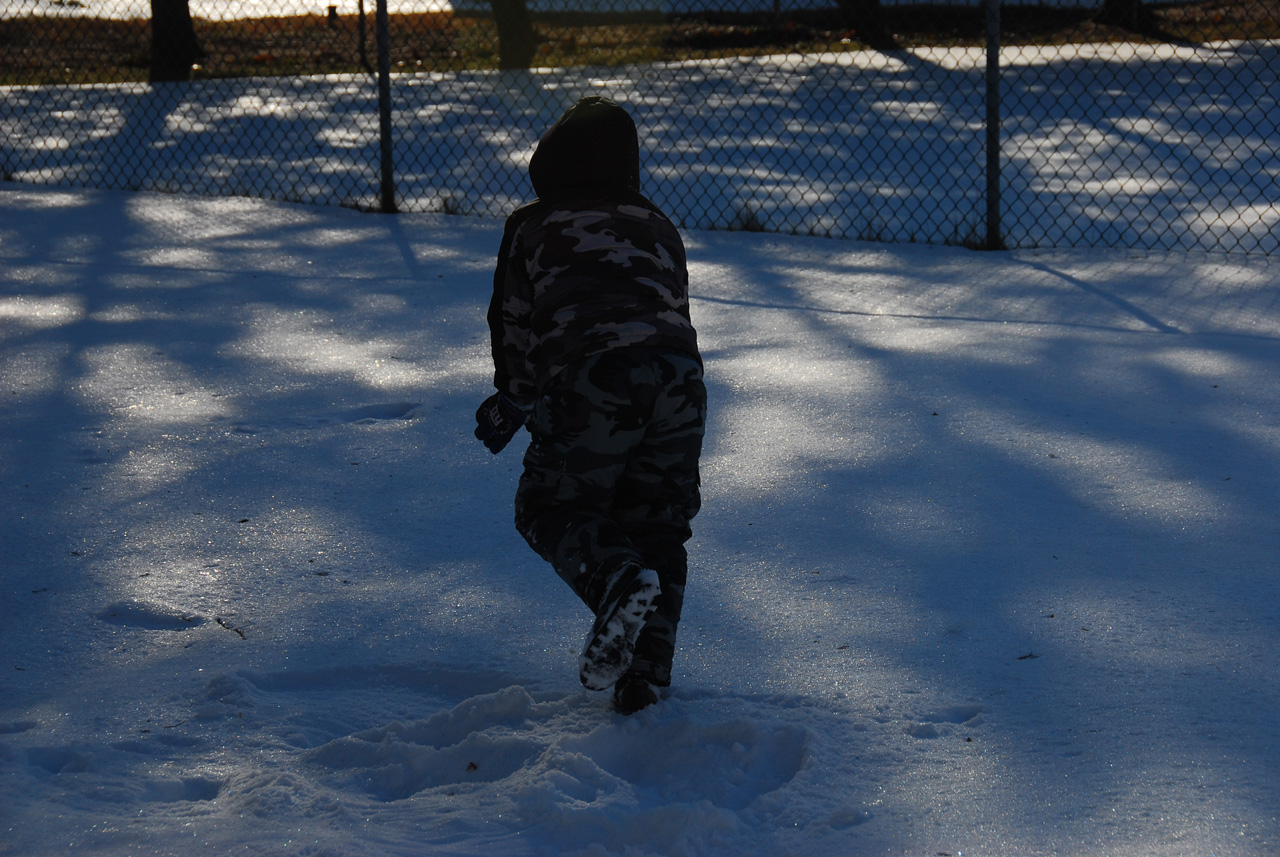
{"points": [[611, 477]]}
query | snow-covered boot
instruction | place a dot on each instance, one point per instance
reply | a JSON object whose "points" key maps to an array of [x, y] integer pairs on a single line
{"points": [[630, 599], [632, 693]]}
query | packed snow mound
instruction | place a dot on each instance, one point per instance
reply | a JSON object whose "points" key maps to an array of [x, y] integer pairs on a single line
{"points": [[560, 769], [539, 750]]}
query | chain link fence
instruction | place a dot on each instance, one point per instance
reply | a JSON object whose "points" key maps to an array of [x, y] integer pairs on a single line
{"points": [[1120, 124]]}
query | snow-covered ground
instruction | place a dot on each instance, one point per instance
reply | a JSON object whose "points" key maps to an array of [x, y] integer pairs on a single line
{"points": [[987, 562]]}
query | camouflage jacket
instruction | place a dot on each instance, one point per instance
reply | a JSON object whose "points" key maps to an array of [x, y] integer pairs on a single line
{"points": [[578, 276]]}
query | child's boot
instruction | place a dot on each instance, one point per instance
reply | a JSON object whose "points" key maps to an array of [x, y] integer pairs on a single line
{"points": [[632, 693], [630, 599]]}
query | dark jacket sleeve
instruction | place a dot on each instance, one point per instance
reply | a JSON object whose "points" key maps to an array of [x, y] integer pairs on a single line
{"points": [[506, 327]]}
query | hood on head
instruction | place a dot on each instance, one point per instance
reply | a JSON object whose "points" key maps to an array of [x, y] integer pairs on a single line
{"points": [[593, 145]]}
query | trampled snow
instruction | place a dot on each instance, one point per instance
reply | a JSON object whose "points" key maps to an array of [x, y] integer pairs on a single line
{"points": [[986, 563]]}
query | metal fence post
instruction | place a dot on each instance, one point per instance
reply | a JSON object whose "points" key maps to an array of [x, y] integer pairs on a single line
{"points": [[388, 185], [994, 239]]}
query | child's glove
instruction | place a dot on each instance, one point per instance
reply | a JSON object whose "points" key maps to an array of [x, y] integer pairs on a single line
{"points": [[497, 421]]}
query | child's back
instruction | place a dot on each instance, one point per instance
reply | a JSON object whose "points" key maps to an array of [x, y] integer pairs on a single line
{"points": [[595, 352], [591, 265]]}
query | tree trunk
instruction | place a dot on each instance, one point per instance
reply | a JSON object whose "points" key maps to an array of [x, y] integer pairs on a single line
{"points": [[517, 41], [1122, 13], [868, 24], [174, 49]]}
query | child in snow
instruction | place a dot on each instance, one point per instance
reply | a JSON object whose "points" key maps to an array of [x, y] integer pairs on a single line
{"points": [[594, 352]]}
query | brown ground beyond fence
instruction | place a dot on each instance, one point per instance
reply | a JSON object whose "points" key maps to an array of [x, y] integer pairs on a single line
{"points": [[1124, 125], [83, 49]]}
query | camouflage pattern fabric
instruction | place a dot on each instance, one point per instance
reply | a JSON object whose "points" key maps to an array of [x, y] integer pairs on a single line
{"points": [[576, 277], [611, 477]]}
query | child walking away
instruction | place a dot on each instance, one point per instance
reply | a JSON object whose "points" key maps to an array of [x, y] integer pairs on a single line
{"points": [[595, 354]]}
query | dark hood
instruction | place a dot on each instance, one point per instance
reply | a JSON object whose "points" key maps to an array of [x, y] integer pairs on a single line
{"points": [[593, 145]]}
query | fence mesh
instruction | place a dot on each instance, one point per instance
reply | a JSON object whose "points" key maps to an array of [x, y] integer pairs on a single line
{"points": [[1122, 125]]}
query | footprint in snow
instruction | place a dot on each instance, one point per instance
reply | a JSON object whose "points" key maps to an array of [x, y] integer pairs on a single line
{"points": [[139, 788], [379, 413], [149, 616], [728, 764], [936, 724], [364, 415]]}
